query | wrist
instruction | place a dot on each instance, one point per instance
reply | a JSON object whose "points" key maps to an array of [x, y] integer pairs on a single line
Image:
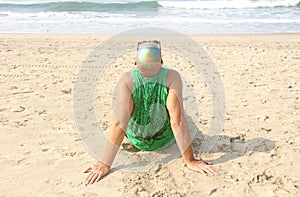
{"points": [[103, 163], [188, 160]]}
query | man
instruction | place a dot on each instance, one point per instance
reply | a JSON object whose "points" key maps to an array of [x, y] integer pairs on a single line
{"points": [[149, 112]]}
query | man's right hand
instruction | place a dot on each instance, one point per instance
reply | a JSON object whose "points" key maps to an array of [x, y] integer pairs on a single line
{"points": [[201, 166], [97, 171]]}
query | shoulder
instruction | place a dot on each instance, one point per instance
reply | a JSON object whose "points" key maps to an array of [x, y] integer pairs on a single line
{"points": [[126, 75], [173, 76], [125, 80], [172, 71]]}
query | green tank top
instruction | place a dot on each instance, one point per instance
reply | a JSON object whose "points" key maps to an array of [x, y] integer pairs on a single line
{"points": [[149, 126]]}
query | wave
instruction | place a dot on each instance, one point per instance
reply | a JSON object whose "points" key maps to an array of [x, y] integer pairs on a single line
{"points": [[80, 6], [120, 19], [140, 5], [229, 4]]}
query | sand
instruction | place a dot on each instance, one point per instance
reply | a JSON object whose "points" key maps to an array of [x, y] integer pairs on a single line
{"points": [[256, 154]]}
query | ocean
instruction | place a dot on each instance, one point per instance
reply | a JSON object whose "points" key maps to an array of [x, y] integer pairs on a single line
{"points": [[115, 16]]}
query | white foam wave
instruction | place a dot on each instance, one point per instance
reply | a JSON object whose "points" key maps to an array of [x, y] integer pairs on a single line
{"points": [[227, 4], [122, 18]]}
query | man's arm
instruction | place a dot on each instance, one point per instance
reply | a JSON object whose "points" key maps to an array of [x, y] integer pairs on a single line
{"points": [[102, 168], [122, 110], [180, 127]]}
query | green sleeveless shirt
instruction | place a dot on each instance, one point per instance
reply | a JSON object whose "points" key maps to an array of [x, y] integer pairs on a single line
{"points": [[149, 126]]}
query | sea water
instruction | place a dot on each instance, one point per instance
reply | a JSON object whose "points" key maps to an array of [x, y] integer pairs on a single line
{"points": [[115, 16]]}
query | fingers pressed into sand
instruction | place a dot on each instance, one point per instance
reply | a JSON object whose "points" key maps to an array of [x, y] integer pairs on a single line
{"points": [[202, 171], [88, 170], [207, 162], [197, 169], [99, 176], [90, 178], [87, 179], [208, 169], [96, 174]]}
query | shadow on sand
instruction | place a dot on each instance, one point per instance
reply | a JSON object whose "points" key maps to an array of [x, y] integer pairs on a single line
{"points": [[232, 146]]}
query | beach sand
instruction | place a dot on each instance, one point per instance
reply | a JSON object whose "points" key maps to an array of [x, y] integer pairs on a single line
{"points": [[257, 152]]}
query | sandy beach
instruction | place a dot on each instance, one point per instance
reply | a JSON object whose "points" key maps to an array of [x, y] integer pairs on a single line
{"points": [[257, 152]]}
